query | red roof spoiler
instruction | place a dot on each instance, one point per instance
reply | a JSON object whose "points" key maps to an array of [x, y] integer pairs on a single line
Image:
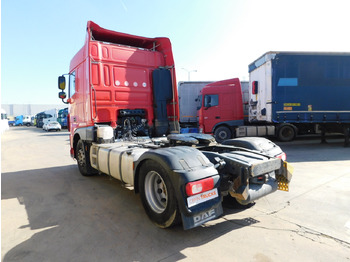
{"points": [[100, 34]]}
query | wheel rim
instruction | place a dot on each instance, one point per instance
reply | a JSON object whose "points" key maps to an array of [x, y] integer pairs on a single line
{"points": [[287, 132], [156, 192], [81, 157], [222, 135]]}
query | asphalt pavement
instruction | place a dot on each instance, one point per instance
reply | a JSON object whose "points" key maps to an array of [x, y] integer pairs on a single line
{"points": [[49, 212]]}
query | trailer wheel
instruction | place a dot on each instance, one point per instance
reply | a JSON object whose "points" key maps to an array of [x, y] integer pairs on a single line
{"points": [[222, 133], [158, 195], [83, 160], [286, 132]]}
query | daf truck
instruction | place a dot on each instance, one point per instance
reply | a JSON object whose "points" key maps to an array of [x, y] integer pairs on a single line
{"points": [[124, 122]]}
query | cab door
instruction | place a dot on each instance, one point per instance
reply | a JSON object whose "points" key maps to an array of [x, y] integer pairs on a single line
{"points": [[211, 112]]}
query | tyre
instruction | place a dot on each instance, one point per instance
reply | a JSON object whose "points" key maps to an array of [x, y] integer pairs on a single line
{"points": [[286, 133], [158, 195], [222, 133], [232, 203], [83, 160]]}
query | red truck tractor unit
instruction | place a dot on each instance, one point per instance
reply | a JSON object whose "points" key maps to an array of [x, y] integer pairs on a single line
{"points": [[220, 107], [124, 122]]}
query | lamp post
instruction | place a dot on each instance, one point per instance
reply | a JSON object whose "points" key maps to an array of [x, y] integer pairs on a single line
{"points": [[189, 72]]}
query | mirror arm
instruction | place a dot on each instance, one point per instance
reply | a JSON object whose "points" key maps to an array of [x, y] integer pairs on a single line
{"points": [[65, 102]]}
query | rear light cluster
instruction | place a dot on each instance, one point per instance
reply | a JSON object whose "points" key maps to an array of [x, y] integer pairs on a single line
{"points": [[255, 89], [282, 156], [197, 187]]}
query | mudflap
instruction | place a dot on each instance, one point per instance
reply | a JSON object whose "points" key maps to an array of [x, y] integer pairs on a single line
{"points": [[198, 219]]}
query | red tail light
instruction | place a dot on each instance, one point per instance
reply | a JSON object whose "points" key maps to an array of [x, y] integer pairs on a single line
{"points": [[197, 187], [255, 88], [282, 156]]}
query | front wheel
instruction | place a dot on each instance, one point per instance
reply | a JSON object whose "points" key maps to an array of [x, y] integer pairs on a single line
{"points": [[158, 195], [222, 133], [83, 159]]}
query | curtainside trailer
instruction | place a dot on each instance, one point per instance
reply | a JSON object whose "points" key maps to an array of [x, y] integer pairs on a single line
{"points": [[301, 92]]}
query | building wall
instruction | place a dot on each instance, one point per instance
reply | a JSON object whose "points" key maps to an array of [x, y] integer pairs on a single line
{"points": [[28, 109]]}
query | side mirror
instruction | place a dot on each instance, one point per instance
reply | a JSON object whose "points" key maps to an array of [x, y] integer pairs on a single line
{"points": [[62, 86], [61, 82], [62, 95], [206, 106]]}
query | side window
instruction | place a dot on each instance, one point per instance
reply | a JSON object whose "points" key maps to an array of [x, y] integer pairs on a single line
{"points": [[72, 84], [211, 100], [199, 102]]}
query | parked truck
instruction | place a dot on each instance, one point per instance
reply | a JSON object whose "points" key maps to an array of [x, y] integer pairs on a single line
{"points": [[45, 117], [11, 120], [189, 92], [289, 94], [124, 122], [62, 117], [22, 120]]}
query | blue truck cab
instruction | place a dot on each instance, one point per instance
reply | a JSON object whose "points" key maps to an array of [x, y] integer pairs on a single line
{"points": [[62, 117], [19, 120]]}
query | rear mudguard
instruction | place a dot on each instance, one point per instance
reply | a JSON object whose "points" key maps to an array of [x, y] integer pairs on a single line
{"points": [[186, 164]]}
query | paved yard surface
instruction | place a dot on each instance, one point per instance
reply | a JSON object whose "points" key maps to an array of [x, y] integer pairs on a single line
{"points": [[49, 212]]}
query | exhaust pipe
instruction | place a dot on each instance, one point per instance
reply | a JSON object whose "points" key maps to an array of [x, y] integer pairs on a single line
{"points": [[257, 191]]}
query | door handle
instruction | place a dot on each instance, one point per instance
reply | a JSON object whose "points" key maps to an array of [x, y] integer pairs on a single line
{"points": [[217, 117]]}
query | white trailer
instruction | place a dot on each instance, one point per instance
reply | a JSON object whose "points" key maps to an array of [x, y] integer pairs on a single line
{"points": [[188, 94]]}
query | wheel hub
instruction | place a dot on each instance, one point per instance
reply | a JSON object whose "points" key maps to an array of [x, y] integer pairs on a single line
{"points": [[156, 192], [81, 157]]}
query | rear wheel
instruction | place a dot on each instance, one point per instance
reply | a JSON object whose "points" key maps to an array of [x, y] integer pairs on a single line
{"points": [[158, 195], [286, 132], [82, 155], [222, 133]]}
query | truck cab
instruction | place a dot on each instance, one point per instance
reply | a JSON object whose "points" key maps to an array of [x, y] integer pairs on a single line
{"points": [[123, 81], [221, 108], [27, 120], [19, 120]]}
